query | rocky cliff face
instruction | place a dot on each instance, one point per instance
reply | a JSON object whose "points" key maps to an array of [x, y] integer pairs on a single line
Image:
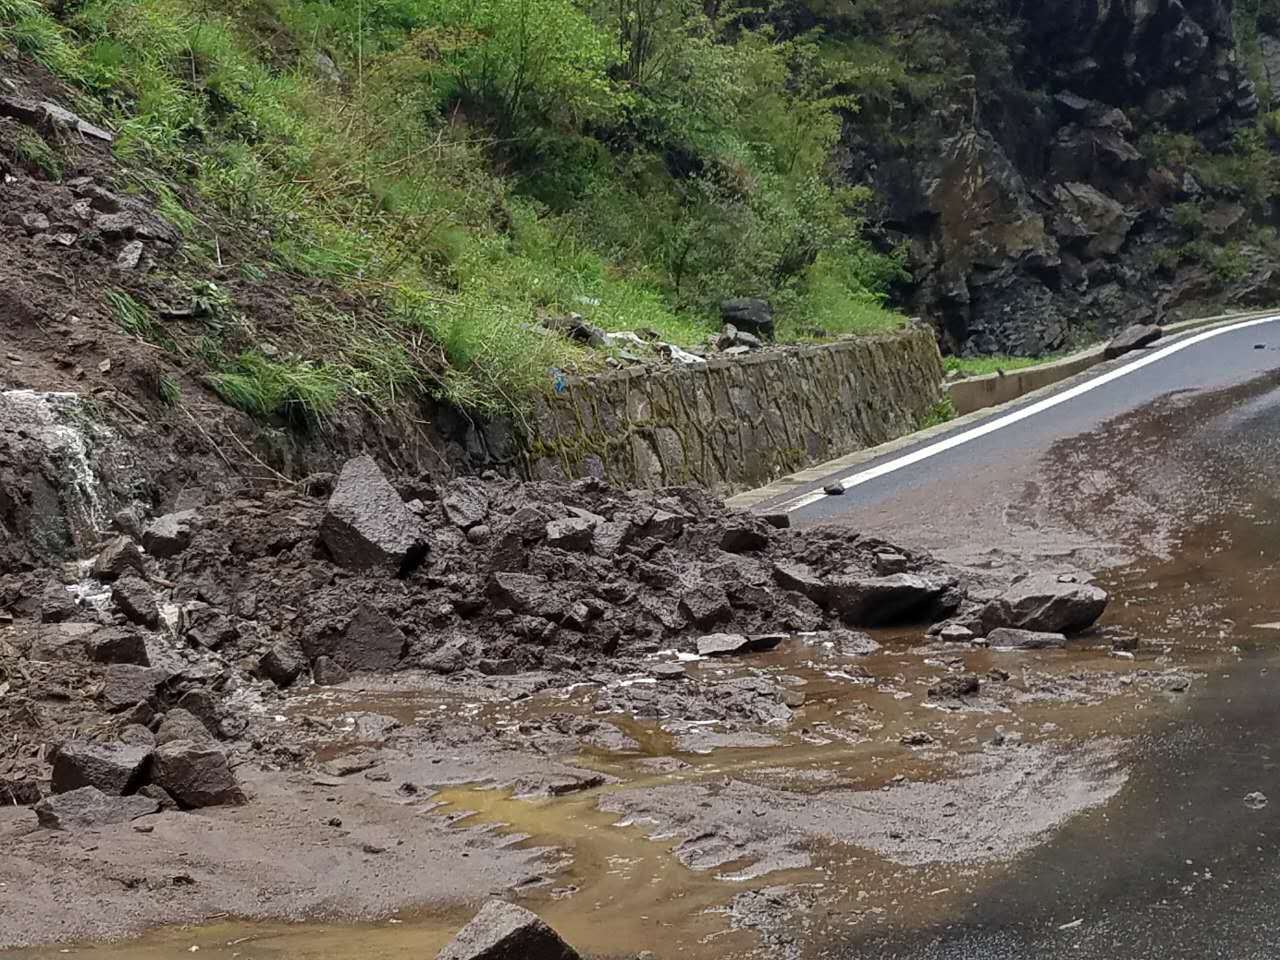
{"points": [[1037, 211]]}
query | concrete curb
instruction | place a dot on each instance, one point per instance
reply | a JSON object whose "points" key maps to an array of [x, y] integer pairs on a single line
{"points": [[794, 484], [980, 393]]}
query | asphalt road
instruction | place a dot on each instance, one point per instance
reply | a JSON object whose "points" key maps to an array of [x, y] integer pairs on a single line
{"points": [[1178, 865], [1224, 358]]}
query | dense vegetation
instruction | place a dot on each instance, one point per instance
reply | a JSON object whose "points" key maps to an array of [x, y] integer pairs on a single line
{"points": [[471, 166]]}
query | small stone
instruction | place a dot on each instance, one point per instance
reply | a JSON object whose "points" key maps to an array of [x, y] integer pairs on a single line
{"points": [[57, 605], [498, 668], [118, 557], [180, 724], [132, 596], [326, 673], [169, 535], [916, 739], [793, 698], [1256, 800], [130, 255], [1007, 638], [887, 563], [571, 533], [667, 671], [955, 687], [777, 520], [955, 633], [834, 490]]}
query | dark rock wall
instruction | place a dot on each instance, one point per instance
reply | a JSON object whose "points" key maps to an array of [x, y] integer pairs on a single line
{"points": [[1031, 211]]}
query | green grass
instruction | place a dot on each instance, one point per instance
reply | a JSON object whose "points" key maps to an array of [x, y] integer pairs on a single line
{"points": [[447, 218], [34, 152], [982, 366]]}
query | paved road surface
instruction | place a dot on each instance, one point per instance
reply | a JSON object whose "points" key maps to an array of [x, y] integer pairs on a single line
{"points": [[1178, 866]]}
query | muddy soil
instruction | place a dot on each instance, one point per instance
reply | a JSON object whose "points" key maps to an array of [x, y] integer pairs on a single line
{"points": [[842, 782]]}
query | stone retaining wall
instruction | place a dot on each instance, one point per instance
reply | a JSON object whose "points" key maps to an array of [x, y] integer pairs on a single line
{"points": [[733, 424]]}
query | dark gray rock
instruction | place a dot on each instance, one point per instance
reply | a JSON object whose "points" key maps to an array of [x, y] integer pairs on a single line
{"points": [[526, 594], [118, 557], [136, 735], [777, 519], [369, 642], [610, 537], [1009, 638], [956, 686], [745, 534], [503, 931], [465, 502], [116, 769], [282, 664], [196, 774], [118, 645], [1133, 338], [876, 601], [705, 604], [159, 795], [719, 644], [664, 525], [571, 533], [801, 579], [90, 807], [1042, 602], [749, 314], [326, 673], [207, 626], [181, 724], [60, 642], [126, 685], [132, 596], [169, 535], [19, 791], [888, 563], [202, 705], [498, 668], [57, 605], [367, 525]]}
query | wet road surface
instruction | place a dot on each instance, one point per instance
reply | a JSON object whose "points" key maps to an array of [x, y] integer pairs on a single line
{"points": [[1180, 863], [1224, 359]]}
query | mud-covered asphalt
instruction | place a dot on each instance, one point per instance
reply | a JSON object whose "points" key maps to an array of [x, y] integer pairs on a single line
{"points": [[1185, 464]]}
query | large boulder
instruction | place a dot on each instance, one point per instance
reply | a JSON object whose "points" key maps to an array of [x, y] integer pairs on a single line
{"points": [[503, 931], [118, 645], [195, 774], [1045, 603], [1133, 338], [90, 807], [367, 525], [875, 601], [116, 769]]}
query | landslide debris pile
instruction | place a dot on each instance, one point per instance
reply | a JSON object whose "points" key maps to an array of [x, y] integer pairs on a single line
{"points": [[131, 673]]}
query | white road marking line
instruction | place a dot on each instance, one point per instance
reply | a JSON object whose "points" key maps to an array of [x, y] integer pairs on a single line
{"points": [[991, 426]]}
